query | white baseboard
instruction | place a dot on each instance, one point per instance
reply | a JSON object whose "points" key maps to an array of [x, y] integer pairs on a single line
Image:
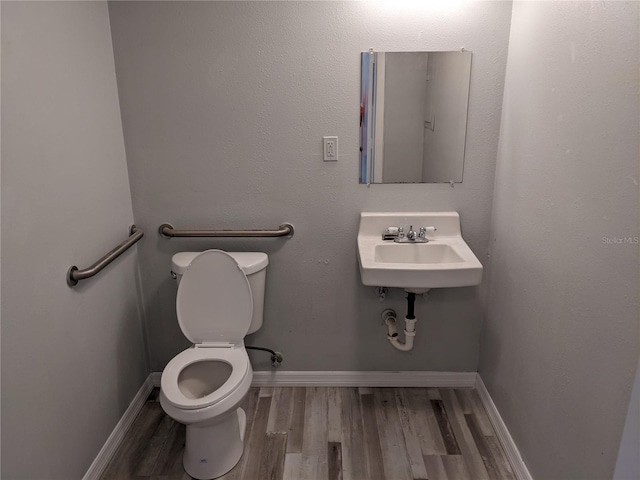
{"points": [[510, 449], [363, 379], [117, 435], [155, 378], [283, 378]]}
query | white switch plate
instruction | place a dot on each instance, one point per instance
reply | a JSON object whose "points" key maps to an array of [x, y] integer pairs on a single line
{"points": [[330, 149]]}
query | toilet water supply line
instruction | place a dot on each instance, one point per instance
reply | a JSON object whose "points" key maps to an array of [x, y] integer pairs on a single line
{"points": [[389, 317], [276, 357]]}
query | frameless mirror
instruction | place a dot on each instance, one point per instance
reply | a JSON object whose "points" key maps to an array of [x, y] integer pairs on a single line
{"points": [[413, 116]]}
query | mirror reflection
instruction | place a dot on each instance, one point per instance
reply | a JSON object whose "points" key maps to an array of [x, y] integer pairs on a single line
{"points": [[413, 116]]}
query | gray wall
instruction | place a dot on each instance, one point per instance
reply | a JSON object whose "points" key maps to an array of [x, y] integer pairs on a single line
{"points": [[224, 105], [72, 359], [559, 347]]}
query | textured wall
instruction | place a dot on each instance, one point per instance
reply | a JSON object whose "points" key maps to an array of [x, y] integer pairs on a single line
{"points": [[72, 359], [224, 105], [560, 344]]}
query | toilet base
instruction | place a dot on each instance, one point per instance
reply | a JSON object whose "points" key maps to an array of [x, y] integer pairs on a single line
{"points": [[212, 450]]}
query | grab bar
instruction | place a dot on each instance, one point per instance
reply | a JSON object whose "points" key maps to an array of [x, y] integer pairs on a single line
{"points": [[74, 274], [284, 230]]}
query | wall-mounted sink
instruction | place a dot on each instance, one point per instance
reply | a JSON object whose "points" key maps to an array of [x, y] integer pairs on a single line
{"points": [[444, 261]]}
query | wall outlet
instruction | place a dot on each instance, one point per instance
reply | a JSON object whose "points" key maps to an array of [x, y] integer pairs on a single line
{"points": [[330, 149]]}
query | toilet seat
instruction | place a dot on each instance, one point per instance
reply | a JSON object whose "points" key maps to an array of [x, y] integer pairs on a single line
{"points": [[237, 358]]}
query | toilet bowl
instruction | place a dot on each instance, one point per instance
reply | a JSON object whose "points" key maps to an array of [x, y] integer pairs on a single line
{"points": [[203, 386]]}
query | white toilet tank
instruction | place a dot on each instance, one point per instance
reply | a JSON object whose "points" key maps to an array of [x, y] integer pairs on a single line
{"points": [[254, 266]]}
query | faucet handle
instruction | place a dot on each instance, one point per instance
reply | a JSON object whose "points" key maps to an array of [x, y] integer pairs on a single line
{"points": [[425, 230], [391, 233], [400, 232]]}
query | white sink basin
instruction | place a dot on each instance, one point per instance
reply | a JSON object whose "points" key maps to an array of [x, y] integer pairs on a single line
{"points": [[445, 261], [422, 253]]}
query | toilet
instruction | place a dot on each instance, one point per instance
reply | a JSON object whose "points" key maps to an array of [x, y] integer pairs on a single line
{"points": [[220, 300]]}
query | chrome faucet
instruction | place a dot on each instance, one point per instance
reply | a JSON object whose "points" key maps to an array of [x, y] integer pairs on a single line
{"points": [[397, 234], [413, 236]]}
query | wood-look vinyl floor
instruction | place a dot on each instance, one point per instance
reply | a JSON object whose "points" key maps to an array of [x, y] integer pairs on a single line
{"points": [[327, 433]]}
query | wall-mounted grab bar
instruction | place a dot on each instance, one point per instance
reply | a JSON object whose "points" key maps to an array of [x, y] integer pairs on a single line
{"points": [[284, 230], [74, 274]]}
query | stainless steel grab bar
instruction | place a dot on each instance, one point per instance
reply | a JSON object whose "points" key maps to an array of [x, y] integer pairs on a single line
{"points": [[74, 274], [284, 230]]}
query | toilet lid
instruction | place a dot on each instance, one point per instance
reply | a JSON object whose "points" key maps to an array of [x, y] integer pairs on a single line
{"points": [[214, 302]]}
